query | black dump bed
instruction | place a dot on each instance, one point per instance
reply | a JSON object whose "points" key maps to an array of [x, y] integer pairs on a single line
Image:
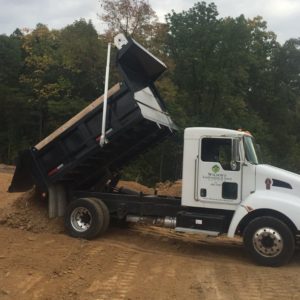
{"points": [[136, 121]]}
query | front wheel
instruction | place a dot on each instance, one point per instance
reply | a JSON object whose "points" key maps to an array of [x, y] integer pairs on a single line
{"points": [[269, 241]]}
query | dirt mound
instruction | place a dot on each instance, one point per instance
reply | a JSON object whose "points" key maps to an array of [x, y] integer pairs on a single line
{"points": [[7, 168], [132, 185], [5, 198], [29, 213], [25, 211], [169, 188]]}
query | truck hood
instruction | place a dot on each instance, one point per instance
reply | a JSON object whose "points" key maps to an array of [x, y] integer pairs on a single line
{"points": [[273, 178]]}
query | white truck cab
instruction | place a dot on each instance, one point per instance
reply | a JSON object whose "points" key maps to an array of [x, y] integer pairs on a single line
{"points": [[222, 170]]}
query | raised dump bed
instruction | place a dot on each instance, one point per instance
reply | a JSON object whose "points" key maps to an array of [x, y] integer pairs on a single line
{"points": [[136, 121]]}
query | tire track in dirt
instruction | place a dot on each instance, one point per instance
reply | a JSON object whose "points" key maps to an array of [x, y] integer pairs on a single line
{"points": [[30, 285], [256, 282], [205, 286], [191, 247], [123, 271]]}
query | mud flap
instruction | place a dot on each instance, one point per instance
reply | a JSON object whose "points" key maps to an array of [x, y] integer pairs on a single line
{"points": [[22, 179]]}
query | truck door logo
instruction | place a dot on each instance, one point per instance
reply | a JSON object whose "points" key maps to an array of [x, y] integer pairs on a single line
{"points": [[215, 169], [268, 183]]}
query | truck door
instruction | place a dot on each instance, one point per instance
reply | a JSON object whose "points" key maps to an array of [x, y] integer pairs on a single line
{"points": [[218, 176]]}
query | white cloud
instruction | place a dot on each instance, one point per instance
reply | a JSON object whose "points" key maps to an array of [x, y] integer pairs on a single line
{"points": [[282, 9], [274, 9], [56, 14]]}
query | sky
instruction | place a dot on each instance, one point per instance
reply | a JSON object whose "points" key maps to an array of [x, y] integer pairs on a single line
{"points": [[282, 16]]}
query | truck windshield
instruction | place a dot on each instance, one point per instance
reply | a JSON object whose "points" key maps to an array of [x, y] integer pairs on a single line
{"points": [[251, 150]]}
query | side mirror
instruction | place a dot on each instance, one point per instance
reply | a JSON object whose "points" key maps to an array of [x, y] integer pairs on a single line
{"points": [[259, 153], [235, 155]]}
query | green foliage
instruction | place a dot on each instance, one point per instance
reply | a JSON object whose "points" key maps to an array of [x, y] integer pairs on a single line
{"points": [[46, 77], [10, 59], [83, 58], [231, 72], [131, 17], [225, 72], [161, 163]]}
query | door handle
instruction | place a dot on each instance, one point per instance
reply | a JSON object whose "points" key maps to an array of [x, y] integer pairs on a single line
{"points": [[203, 193]]}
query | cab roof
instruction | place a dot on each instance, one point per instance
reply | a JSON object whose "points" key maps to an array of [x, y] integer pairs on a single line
{"points": [[196, 132]]}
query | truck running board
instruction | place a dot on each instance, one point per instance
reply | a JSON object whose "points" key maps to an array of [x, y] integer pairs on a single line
{"points": [[211, 224], [191, 230]]}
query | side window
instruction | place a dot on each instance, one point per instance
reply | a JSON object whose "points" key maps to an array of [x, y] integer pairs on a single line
{"points": [[218, 150]]}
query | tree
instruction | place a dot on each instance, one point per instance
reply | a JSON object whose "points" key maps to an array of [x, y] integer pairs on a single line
{"points": [[83, 57], [225, 71], [81, 74], [216, 63], [13, 106], [131, 17], [10, 59], [46, 76], [283, 108], [39, 76], [63, 69]]}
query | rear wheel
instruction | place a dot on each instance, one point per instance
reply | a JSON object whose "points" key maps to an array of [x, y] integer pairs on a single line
{"points": [[84, 218], [106, 215], [269, 241]]}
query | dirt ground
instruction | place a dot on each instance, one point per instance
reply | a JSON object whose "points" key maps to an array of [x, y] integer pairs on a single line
{"points": [[39, 261]]}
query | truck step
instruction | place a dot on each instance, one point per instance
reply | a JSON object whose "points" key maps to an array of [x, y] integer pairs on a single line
{"points": [[193, 221], [192, 230]]}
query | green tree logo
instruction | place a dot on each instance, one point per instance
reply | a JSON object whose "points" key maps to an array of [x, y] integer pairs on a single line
{"points": [[215, 169]]}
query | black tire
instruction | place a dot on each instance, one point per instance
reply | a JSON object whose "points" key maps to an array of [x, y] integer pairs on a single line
{"points": [[84, 218], [106, 215], [269, 241]]}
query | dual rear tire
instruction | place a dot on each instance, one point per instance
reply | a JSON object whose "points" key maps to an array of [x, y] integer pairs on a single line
{"points": [[87, 218]]}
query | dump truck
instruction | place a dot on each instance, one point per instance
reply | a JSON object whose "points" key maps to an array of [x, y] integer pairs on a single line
{"points": [[225, 187]]}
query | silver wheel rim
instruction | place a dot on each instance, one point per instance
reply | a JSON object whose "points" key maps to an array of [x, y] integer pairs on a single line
{"points": [[81, 219], [268, 242]]}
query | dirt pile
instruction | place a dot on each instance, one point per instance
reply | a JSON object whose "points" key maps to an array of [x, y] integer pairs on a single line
{"points": [[7, 168], [6, 199], [29, 213], [167, 188], [135, 186], [25, 211]]}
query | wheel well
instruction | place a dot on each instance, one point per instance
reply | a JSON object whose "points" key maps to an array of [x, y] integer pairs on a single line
{"points": [[265, 212]]}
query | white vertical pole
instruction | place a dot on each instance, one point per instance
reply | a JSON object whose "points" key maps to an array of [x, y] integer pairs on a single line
{"points": [[102, 138]]}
